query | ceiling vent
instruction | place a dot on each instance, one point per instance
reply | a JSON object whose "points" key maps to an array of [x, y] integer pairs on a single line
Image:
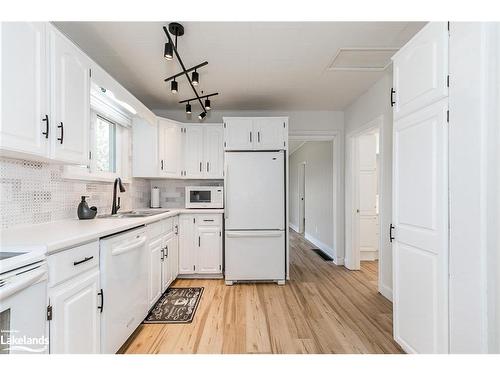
{"points": [[362, 59]]}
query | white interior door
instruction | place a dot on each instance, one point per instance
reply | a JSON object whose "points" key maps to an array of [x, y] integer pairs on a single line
{"points": [[302, 197], [421, 70], [268, 133], [238, 134], [70, 100], [420, 216], [366, 188], [24, 88], [193, 151]]}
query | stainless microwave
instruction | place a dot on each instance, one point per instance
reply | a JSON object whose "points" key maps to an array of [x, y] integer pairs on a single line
{"points": [[204, 197]]}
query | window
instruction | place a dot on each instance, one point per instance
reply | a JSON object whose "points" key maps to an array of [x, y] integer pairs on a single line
{"points": [[103, 146]]}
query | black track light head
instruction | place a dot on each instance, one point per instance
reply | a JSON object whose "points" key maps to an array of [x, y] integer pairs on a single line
{"points": [[207, 104], [202, 115], [168, 52], [174, 87], [195, 78], [188, 108]]}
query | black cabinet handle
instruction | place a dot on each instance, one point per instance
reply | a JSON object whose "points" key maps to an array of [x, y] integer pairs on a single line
{"points": [[101, 293], [176, 229], [166, 249], [162, 165], [208, 166], [162, 254], [86, 259], [46, 132], [199, 241], [250, 137], [208, 219], [61, 139], [392, 96], [258, 137], [200, 166], [391, 237]]}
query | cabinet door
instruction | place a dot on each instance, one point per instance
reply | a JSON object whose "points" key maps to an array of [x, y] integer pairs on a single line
{"points": [[238, 134], [214, 152], [421, 70], [186, 244], [269, 133], [75, 326], [155, 270], [23, 88], [169, 269], [173, 256], [209, 249], [70, 100], [170, 149], [193, 151]]}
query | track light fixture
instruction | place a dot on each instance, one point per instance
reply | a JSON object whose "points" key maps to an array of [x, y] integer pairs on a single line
{"points": [[168, 52], [174, 31], [195, 78], [174, 87]]}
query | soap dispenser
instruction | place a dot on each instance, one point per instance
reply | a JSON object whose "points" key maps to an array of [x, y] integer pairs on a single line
{"points": [[84, 211]]}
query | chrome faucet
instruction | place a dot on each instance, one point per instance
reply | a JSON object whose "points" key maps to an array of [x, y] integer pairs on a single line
{"points": [[116, 206]]}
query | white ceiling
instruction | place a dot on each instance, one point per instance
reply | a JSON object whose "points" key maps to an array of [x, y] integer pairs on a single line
{"points": [[253, 65]]}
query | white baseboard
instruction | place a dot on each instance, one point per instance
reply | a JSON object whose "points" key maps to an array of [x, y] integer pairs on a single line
{"points": [[385, 291], [368, 255], [294, 227], [325, 248]]}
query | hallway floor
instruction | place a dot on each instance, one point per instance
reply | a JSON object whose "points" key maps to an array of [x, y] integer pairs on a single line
{"points": [[323, 309]]}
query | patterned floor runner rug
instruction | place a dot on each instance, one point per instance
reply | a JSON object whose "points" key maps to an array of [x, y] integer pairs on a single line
{"points": [[176, 305]]}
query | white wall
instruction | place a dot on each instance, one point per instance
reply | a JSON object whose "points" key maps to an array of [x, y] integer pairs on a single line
{"points": [[318, 157], [298, 120], [372, 104]]}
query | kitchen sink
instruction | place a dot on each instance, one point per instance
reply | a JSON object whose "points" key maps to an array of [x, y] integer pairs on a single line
{"points": [[131, 214]]}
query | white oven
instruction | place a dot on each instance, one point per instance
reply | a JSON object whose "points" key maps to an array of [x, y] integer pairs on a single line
{"points": [[204, 197]]}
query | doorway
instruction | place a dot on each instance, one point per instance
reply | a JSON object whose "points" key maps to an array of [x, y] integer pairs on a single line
{"points": [[364, 210], [301, 173]]}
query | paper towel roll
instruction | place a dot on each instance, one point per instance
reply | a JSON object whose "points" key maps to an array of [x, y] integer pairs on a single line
{"points": [[155, 197]]}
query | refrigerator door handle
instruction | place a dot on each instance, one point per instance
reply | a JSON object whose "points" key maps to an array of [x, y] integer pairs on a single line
{"points": [[226, 183]]}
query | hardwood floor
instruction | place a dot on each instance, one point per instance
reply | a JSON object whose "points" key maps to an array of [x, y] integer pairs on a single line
{"points": [[322, 309]]}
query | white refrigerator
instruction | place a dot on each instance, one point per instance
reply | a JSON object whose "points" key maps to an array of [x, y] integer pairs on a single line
{"points": [[254, 211]]}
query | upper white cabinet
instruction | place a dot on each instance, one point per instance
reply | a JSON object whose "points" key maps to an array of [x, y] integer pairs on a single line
{"points": [[24, 100], [45, 94], [421, 70], [170, 149], [70, 99], [193, 151], [181, 151], [257, 133]]}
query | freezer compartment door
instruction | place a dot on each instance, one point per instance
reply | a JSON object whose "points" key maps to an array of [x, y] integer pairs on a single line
{"points": [[255, 255], [254, 190]]}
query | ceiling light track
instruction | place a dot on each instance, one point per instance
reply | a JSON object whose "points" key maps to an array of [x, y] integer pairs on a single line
{"points": [[177, 30]]}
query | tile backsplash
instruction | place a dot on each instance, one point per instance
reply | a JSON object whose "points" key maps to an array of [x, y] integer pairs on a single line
{"points": [[34, 192], [172, 192]]}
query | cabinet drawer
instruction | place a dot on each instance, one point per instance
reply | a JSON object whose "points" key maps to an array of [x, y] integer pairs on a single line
{"points": [[213, 219], [72, 262], [161, 228]]}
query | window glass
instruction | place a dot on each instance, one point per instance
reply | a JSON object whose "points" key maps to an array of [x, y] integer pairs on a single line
{"points": [[104, 145]]}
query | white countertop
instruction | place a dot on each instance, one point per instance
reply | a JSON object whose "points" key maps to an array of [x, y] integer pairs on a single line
{"points": [[62, 234]]}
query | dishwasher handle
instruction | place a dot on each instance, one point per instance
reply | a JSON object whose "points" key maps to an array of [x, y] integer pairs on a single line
{"points": [[23, 281], [132, 246]]}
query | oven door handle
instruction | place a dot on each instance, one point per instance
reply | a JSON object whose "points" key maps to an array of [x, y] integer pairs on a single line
{"points": [[125, 249], [26, 280]]}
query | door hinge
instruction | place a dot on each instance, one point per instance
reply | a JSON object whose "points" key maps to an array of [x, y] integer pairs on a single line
{"points": [[49, 312], [392, 96], [194, 220], [448, 81], [220, 267], [391, 228], [448, 116]]}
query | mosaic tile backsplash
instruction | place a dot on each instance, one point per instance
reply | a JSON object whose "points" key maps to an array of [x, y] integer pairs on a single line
{"points": [[33, 192], [173, 193]]}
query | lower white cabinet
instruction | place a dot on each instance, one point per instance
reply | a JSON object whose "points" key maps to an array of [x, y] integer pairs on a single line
{"points": [[200, 245], [163, 257], [75, 300]]}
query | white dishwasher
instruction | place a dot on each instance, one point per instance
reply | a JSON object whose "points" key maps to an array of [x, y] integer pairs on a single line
{"points": [[124, 285]]}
